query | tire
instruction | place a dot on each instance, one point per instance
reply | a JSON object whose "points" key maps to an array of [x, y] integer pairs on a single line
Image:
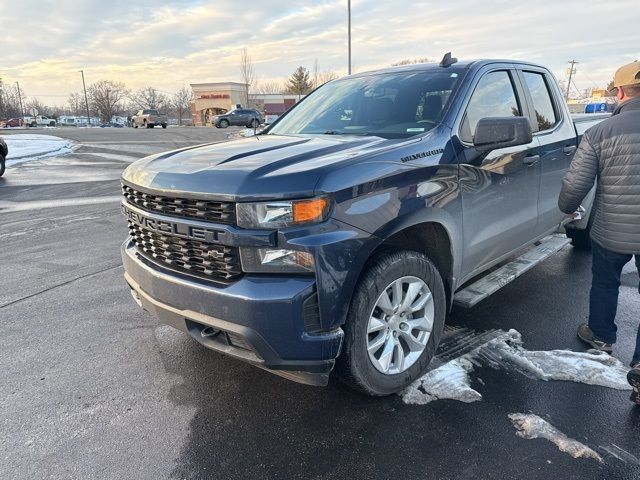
{"points": [[355, 366], [254, 123], [164, 125], [52, 124], [580, 239], [135, 125], [32, 124], [2, 165], [224, 123]]}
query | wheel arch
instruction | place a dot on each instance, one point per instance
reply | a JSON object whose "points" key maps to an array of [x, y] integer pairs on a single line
{"points": [[432, 239]]}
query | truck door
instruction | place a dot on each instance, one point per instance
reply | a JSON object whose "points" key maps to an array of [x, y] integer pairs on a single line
{"points": [[499, 189], [557, 142]]}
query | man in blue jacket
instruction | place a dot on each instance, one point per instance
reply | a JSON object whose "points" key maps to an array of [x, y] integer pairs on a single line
{"points": [[609, 157]]}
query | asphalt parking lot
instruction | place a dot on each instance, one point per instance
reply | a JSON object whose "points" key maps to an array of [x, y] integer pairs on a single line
{"points": [[93, 387]]}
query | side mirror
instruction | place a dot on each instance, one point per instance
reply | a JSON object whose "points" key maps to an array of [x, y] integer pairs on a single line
{"points": [[500, 132]]}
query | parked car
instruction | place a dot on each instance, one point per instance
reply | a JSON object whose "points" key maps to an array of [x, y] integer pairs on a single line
{"points": [[4, 152], [244, 117], [148, 119], [12, 123], [40, 121], [342, 234]]}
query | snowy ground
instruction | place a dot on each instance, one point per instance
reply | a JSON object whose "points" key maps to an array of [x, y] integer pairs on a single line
{"points": [[450, 379], [28, 146]]}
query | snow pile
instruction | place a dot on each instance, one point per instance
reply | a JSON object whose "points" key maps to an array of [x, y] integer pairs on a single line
{"points": [[451, 380], [531, 426], [24, 147]]}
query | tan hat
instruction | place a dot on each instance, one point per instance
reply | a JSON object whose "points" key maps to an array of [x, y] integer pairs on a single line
{"points": [[627, 75]]}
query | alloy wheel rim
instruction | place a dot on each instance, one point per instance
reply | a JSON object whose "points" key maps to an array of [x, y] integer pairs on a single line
{"points": [[400, 325]]}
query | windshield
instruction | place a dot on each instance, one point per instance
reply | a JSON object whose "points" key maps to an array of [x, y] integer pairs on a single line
{"points": [[388, 105]]}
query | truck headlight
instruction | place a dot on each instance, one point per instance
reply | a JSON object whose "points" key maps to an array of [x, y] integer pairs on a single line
{"points": [[282, 214], [276, 260]]}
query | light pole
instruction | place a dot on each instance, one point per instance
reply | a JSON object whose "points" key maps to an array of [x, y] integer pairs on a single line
{"points": [[349, 32], [86, 102], [20, 101]]}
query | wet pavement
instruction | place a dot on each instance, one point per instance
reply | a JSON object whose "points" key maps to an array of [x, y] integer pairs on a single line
{"points": [[92, 387]]}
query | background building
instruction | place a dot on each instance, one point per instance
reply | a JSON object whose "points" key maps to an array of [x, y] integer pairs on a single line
{"points": [[215, 98]]}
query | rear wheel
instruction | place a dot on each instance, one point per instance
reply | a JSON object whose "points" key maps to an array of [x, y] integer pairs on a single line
{"points": [[164, 125], [394, 323], [2, 165], [254, 123]]}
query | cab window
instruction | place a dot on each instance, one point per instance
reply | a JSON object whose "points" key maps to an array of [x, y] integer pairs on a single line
{"points": [[546, 117], [494, 96]]}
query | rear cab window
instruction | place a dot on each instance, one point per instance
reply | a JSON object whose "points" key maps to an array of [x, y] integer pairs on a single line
{"points": [[545, 112]]}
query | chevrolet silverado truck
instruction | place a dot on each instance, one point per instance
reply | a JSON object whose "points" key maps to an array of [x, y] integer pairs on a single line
{"points": [[340, 237], [148, 119]]}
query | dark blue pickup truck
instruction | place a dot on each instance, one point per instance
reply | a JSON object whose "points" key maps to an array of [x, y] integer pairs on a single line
{"points": [[340, 236]]}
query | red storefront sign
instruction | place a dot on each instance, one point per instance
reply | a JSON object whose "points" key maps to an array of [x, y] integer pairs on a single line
{"points": [[215, 95]]}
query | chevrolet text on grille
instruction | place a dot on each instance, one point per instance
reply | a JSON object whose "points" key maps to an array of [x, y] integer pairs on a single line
{"points": [[172, 228]]}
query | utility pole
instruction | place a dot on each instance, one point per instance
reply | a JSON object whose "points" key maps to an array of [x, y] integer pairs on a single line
{"points": [[349, 32], [571, 70], [86, 102], [20, 102]]}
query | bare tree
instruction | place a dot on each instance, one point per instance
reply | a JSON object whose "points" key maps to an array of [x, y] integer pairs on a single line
{"points": [[326, 76], [151, 98], [75, 104], [271, 87], [411, 61], [9, 101], [182, 102], [36, 103], [106, 97], [246, 73]]}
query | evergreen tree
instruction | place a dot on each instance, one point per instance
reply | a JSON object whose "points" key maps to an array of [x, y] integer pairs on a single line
{"points": [[299, 82]]}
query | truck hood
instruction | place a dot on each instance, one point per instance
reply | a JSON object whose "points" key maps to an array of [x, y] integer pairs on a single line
{"points": [[260, 167]]}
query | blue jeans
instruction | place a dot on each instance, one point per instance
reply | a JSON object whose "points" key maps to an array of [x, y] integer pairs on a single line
{"points": [[603, 301]]}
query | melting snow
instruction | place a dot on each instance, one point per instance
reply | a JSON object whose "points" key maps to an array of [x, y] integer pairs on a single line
{"points": [[24, 147], [503, 350], [531, 426]]}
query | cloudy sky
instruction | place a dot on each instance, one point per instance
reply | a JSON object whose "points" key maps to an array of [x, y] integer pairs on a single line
{"points": [[168, 44]]}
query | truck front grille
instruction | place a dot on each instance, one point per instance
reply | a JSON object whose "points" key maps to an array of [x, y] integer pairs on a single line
{"points": [[212, 262], [214, 211]]}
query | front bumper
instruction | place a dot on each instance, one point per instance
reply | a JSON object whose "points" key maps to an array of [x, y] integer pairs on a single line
{"points": [[258, 319]]}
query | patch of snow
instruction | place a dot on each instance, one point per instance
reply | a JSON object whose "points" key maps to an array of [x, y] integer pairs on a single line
{"points": [[25, 147], [504, 350], [450, 381], [531, 426]]}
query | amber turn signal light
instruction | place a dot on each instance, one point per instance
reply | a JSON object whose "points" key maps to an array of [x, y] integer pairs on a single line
{"points": [[310, 210]]}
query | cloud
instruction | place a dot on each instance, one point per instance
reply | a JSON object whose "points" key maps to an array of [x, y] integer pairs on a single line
{"points": [[168, 44]]}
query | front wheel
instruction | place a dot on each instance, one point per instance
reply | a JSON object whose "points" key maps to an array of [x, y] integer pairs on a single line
{"points": [[164, 125], [394, 323], [224, 123], [2, 165]]}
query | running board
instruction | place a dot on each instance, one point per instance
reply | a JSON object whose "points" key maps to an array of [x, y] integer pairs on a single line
{"points": [[494, 281]]}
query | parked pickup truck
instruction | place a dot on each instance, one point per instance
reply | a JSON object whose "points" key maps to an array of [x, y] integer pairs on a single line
{"points": [[343, 233], [40, 121], [149, 119]]}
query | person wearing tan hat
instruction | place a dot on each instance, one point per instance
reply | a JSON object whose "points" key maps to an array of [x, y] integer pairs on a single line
{"points": [[609, 157]]}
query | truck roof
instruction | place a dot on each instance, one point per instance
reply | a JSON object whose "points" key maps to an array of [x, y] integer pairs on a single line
{"points": [[467, 64]]}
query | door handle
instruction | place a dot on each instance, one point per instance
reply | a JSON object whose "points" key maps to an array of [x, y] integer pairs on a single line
{"points": [[531, 159], [569, 150]]}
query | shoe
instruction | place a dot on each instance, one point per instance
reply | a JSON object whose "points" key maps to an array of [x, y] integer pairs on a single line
{"points": [[633, 377], [586, 335]]}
